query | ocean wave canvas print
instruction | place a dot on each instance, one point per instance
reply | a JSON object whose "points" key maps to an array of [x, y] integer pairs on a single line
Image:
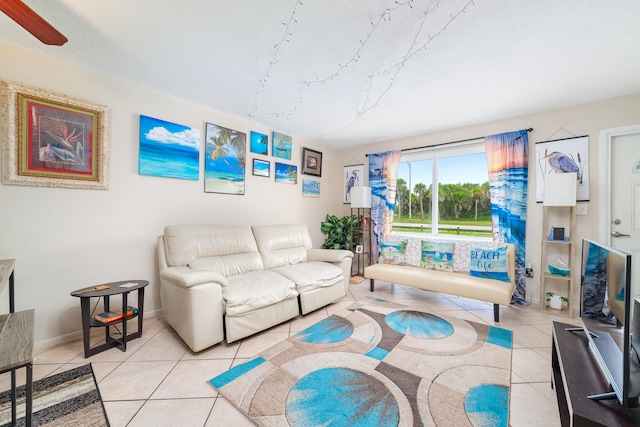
{"points": [[311, 188], [225, 160], [168, 149]]}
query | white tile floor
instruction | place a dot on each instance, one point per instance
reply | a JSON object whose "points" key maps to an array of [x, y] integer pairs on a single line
{"points": [[158, 381]]}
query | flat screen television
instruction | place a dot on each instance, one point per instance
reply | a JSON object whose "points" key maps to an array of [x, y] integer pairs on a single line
{"points": [[608, 294]]}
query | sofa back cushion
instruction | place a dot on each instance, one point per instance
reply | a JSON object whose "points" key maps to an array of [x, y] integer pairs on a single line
{"points": [[281, 245], [226, 249]]}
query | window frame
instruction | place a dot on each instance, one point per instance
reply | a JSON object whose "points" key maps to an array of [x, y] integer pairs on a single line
{"points": [[435, 153]]}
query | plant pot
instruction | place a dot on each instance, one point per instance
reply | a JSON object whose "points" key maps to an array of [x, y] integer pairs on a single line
{"points": [[556, 302]]}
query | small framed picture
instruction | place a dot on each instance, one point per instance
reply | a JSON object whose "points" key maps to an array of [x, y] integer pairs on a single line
{"points": [[311, 162], [359, 249], [261, 168], [557, 234]]}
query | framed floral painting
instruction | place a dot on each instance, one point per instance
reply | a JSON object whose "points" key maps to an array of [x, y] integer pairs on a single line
{"points": [[53, 140]]}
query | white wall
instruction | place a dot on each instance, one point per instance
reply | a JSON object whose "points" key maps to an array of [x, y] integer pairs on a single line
{"points": [[587, 119], [65, 239]]}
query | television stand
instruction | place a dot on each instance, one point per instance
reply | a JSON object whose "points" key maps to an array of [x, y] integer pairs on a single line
{"points": [[575, 375]]}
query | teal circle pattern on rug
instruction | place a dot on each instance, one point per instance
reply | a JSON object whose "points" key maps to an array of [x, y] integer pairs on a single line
{"points": [[417, 324], [330, 330], [487, 405], [353, 399]]}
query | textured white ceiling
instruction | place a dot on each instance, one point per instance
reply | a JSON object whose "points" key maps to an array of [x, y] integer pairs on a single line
{"points": [[347, 73]]}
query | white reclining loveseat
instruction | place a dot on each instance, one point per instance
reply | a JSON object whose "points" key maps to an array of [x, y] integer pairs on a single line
{"points": [[232, 281]]}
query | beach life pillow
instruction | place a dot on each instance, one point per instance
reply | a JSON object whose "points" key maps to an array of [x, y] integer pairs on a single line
{"points": [[489, 263], [437, 255], [392, 251]]}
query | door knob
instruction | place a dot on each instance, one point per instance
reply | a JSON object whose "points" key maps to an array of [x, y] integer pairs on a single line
{"points": [[618, 234], [616, 221]]}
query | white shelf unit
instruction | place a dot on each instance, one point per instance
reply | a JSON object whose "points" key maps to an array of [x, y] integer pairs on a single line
{"points": [[558, 217]]}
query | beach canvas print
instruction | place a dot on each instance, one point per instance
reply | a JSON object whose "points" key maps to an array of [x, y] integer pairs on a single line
{"points": [[225, 160], [311, 188], [286, 173], [282, 145], [259, 143], [168, 149]]}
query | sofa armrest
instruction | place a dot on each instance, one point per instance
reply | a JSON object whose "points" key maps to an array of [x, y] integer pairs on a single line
{"points": [[328, 255], [185, 277]]}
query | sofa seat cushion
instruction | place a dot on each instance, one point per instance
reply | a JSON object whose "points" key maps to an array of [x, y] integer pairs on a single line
{"points": [[256, 289], [311, 274]]}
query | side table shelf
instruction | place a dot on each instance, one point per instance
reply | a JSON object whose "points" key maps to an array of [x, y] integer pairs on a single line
{"points": [[122, 288]]}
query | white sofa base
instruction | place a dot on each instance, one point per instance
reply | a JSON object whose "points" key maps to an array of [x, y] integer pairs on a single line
{"points": [[243, 325], [226, 281]]}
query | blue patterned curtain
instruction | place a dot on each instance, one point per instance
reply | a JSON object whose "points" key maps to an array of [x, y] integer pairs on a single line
{"points": [[383, 174], [508, 162]]}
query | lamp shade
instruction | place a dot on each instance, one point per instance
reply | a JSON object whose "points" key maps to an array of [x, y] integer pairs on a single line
{"points": [[361, 197], [560, 189]]}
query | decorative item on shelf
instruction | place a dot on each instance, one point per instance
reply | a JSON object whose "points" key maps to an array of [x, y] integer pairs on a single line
{"points": [[559, 267], [558, 234], [112, 316], [557, 302]]}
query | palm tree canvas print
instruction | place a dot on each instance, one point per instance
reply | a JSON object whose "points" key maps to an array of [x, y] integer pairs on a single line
{"points": [[287, 174], [225, 160], [168, 149]]}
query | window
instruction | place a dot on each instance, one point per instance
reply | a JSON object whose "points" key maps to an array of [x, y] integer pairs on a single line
{"points": [[444, 190]]}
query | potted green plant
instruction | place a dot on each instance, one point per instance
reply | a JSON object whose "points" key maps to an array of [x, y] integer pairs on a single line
{"points": [[338, 232], [558, 302]]}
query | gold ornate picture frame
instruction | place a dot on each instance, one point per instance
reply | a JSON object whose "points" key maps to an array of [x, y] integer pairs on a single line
{"points": [[53, 140]]}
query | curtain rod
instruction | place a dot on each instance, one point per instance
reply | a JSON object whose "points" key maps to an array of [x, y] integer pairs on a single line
{"points": [[446, 143]]}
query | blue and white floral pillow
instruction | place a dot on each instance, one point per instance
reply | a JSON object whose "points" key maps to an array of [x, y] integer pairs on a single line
{"points": [[437, 255], [489, 263]]}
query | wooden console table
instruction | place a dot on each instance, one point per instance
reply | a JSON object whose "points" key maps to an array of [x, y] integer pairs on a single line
{"points": [[576, 375]]}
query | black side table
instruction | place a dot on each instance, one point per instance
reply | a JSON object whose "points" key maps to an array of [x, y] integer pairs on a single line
{"points": [[16, 335], [115, 288]]}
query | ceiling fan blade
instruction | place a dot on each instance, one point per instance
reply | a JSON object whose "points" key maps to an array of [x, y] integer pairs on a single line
{"points": [[32, 22]]}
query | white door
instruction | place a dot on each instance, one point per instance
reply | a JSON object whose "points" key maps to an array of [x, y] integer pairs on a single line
{"points": [[624, 217]]}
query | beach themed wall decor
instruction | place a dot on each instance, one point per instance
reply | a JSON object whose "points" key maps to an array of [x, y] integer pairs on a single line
{"points": [[168, 149], [353, 176], [259, 143], [561, 156], [52, 140], [287, 174], [310, 188], [311, 162], [224, 160], [281, 146], [261, 167]]}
